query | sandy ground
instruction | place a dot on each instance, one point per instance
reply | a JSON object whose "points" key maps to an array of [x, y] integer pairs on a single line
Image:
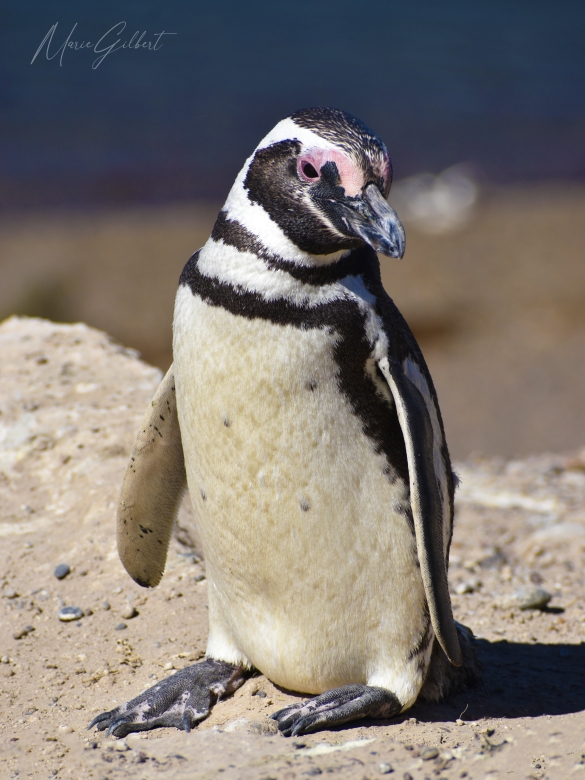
{"points": [[498, 305], [70, 402]]}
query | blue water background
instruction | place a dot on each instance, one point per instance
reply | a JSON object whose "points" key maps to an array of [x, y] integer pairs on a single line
{"points": [[499, 84]]}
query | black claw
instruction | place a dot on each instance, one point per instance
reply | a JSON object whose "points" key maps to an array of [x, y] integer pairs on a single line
{"points": [[99, 719], [116, 728], [187, 722]]}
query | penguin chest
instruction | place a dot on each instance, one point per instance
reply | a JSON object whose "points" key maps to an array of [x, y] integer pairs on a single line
{"points": [[311, 557]]}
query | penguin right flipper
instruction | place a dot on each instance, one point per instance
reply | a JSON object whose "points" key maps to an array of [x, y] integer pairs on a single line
{"points": [[152, 489], [426, 498], [337, 706], [180, 701]]}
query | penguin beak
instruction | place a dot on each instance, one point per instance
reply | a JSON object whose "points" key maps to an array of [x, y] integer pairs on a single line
{"points": [[369, 217]]}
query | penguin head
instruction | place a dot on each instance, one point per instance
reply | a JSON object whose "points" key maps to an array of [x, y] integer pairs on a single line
{"points": [[321, 177]]}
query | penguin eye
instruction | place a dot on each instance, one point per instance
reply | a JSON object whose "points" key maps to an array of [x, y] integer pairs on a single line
{"points": [[308, 170]]}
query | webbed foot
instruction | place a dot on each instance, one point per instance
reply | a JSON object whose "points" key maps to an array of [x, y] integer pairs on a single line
{"points": [[180, 701], [335, 707]]}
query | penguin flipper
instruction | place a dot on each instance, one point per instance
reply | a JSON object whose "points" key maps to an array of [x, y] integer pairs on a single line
{"points": [[427, 501], [152, 489]]}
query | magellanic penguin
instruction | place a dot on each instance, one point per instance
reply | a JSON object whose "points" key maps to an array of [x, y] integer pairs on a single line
{"points": [[300, 413]]}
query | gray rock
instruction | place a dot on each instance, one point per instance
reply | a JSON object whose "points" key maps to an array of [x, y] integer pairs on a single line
{"points": [[61, 571], [67, 614], [121, 626], [429, 753], [385, 769], [527, 598]]}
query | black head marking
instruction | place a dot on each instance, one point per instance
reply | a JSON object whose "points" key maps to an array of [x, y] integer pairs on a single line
{"points": [[272, 183], [307, 198]]}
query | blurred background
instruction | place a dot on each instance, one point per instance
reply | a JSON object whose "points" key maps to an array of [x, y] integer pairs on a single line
{"points": [[115, 158]]}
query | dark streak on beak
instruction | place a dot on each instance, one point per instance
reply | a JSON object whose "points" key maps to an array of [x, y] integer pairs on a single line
{"points": [[369, 217]]}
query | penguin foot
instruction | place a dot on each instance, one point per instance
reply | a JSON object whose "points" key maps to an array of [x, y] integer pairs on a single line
{"points": [[335, 707], [180, 701]]}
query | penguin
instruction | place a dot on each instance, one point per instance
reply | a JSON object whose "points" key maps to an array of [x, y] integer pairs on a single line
{"points": [[301, 415]]}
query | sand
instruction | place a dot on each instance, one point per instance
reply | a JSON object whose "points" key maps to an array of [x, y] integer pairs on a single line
{"points": [[70, 402]]}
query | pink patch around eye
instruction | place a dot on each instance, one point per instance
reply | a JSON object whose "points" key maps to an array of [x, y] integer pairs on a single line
{"points": [[350, 174], [310, 164]]}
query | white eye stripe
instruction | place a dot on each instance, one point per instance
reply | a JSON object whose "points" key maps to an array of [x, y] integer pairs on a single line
{"points": [[289, 130]]}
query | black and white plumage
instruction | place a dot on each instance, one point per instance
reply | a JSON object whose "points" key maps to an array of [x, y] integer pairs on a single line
{"points": [[308, 429]]}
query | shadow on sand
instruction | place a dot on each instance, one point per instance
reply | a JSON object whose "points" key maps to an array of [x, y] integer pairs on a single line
{"points": [[519, 680]]}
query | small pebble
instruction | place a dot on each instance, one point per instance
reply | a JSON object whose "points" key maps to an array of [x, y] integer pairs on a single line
{"points": [[10, 593], [106, 605], [244, 725], [407, 776], [61, 571], [121, 626], [199, 577], [65, 729], [528, 598], [314, 770], [69, 613], [259, 694], [23, 632], [87, 612], [385, 769], [469, 586], [129, 612], [4, 660], [429, 753]]}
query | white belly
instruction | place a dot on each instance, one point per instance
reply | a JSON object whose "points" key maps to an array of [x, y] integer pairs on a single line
{"points": [[312, 571]]}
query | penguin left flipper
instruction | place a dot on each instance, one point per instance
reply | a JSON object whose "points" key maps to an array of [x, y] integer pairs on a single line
{"points": [[180, 701], [152, 489], [413, 405], [335, 707]]}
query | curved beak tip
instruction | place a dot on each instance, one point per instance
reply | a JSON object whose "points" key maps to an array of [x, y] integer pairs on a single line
{"points": [[384, 231]]}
